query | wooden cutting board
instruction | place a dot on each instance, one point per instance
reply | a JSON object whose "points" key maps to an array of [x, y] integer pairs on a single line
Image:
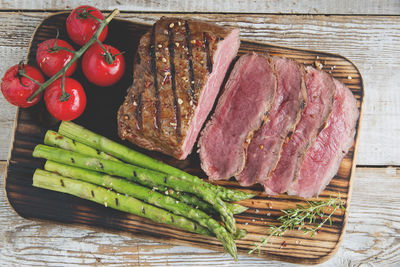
{"points": [[100, 116]]}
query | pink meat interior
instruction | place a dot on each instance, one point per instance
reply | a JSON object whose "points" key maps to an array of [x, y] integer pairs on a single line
{"points": [[320, 93], [240, 110], [323, 159], [226, 51], [264, 149]]}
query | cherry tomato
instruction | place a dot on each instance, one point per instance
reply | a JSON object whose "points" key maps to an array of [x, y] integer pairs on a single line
{"points": [[69, 109], [81, 26], [17, 89], [98, 70], [51, 60]]}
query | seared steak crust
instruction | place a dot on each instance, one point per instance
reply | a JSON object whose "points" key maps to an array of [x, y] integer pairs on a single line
{"points": [[173, 64]]}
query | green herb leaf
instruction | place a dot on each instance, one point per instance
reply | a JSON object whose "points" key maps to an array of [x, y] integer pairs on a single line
{"points": [[297, 218]]}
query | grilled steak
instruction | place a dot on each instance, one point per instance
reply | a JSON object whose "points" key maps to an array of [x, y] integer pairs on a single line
{"points": [[247, 96], [265, 147], [320, 95], [178, 71], [322, 160]]}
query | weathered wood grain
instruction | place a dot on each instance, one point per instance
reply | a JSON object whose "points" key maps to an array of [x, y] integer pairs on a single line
{"points": [[31, 202], [371, 42], [386, 7], [372, 236]]}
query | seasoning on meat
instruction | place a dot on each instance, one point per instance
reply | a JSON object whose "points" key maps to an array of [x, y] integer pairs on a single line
{"points": [[247, 97], [175, 83]]}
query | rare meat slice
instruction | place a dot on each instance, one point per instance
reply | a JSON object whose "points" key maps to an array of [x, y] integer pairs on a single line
{"points": [[248, 95], [322, 160], [178, 71], [320, 95], [265, 146]]}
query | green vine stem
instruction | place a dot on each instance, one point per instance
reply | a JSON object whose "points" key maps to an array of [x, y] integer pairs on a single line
{"points": [[107, 55], [56, 47], [22, 73], [64, 95], [84, 13], [77, 54]]}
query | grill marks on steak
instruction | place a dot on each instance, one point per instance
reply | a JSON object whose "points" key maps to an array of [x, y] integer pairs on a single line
{"points": [[153, 65], [265, 147], [296, 147], [189, 57], [171, 48], [247, 96], [322, 160], [320, 95], [173, 71]]}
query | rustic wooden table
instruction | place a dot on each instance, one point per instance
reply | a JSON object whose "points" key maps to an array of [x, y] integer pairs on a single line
{"points": [[366, 32]]}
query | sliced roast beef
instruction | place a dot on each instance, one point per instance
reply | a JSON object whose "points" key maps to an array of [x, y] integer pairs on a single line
{"points": [[320, 95], [322, 160], [265, 146], [178, 71], [247, 96]]}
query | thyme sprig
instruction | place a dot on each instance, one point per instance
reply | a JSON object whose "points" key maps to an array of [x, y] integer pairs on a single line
{"points": [[303, 218]]}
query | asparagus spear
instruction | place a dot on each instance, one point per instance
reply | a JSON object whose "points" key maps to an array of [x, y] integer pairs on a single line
{"points": [[52, 181], [152, 197], [236, 208], [55, 139], [79, 133], [139, 175], [199, 203]]}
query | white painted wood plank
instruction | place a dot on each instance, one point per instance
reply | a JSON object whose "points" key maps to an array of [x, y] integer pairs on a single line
{"points": [[371, 237], [15, 34], [386, 7], [371, 42]]}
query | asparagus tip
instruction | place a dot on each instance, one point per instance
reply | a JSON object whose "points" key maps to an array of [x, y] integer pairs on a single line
{"points": [[237, 208], [240, 233]]}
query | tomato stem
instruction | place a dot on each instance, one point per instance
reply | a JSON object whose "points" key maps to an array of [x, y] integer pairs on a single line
{"points": [[64, 96], [77, 54], [21, 73], [93, 17], [107, 54], [56, 47], [83, 13]]}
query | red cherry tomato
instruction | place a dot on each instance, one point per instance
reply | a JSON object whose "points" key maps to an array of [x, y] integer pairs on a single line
{"points": [[51, 60], [98, 70], [17, 89], [69, 109], [81, 26]]}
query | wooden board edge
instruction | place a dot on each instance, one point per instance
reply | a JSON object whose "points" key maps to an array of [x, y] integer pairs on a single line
{"points": [[305, 261], [8, 162], [16, 119], [302, 50], [353, 168], [123, 233]]}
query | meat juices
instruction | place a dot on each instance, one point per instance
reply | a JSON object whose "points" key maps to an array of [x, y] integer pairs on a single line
{"points": [[321, 162], [178, 71], [320, 95], [247, 96], [265, 147]]}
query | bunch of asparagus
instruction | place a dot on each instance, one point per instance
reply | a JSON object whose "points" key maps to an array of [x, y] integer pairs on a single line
{"points": [[90, 166]]}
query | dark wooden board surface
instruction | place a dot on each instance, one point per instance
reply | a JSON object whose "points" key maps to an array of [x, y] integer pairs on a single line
{"points": [[100, 116]]}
